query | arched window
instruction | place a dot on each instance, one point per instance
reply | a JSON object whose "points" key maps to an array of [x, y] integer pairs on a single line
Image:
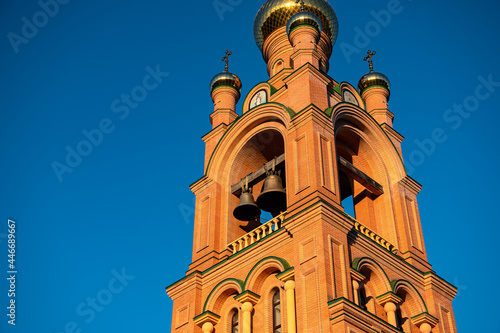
{"points": [[276, 312], [235, 323]]}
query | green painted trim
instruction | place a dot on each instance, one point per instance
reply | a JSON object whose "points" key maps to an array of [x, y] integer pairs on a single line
{"points": [[225, 85], [304, 25], [337, 88], [248, 95], [423, 314], [282, 261], [329, 111], [246, 292], [375, 85], [182, 279], [443, 280], [284, 272], [235, 122], [367, 259], [239, 282], [277, 62], [361, 309], [206, 312], [394, 285], [380, 126]]}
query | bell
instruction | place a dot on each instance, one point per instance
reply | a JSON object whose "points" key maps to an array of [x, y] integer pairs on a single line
{"points": [[247, 209], [272, 198]]}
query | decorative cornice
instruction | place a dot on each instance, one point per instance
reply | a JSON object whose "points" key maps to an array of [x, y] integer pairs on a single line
{"points": [[357, 276], [205, 317], [373, 236], [248, 296], [204, 181], [289, 274], [424, 318], [411, 184], [389, 297]]}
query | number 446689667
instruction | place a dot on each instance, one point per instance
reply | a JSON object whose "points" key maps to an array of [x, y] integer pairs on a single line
{"points": [[12, 244]]}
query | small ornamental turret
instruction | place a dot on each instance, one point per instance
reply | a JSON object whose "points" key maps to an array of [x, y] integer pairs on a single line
{"points": [[375, 88], [225, 89]]}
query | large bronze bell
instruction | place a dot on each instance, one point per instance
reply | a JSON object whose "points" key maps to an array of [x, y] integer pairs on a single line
{"points": [[272, 198], [247, 209]]}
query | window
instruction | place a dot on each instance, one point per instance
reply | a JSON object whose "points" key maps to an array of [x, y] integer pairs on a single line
{"points": [[234, 323], [276, 312]]}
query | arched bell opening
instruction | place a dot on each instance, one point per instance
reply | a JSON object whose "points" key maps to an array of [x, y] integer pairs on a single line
{"points": [[260, 159], [360, 175]]}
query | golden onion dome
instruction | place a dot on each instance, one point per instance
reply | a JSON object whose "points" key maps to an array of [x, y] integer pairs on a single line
{"points": [[225, 79], [275, 14], [303, 18], [374, 79]]}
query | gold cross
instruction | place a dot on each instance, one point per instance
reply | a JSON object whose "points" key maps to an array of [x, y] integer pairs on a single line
{"points": [[226, 59], [301, 4], [369, 58]]}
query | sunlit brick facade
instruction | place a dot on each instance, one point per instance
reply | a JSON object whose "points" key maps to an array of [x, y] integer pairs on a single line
{"points": [[311, 268]]}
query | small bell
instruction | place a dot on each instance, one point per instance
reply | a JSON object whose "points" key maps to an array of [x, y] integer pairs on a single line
{"points": [[247, 209], [273, 196]]}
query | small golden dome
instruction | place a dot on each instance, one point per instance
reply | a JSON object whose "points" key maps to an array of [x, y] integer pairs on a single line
{"points": [[225, 79], [303, 18], [275, 14], [374, 79]]}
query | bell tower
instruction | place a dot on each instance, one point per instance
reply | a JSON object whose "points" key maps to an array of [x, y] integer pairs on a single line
{"points": [[274, 251]]}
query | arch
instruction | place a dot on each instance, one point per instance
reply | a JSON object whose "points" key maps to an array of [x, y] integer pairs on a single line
{"points": [[244, 124], [344, 113], [262, 270], [412, 300], [377, 279], [347, 86], [221, 292]]}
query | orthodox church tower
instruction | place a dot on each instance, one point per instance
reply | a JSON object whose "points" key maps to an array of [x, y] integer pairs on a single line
{"points": [[273, 249]]}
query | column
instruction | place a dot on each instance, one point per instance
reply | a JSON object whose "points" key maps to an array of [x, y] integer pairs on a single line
{"points": [[391, 308], [290, 306], [247, 308], [291, 318], [207, 327], [247, 299], [389, 301], [355, 287], [425, 328]]}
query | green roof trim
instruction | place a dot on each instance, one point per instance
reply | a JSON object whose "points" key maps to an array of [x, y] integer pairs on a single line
{"points": [[394, 285], [239, 282], [282, 261], [337, 88]]}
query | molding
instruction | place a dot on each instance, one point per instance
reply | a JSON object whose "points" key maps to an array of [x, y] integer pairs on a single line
{"points": [[207, 316], [411, 184], [248, 296], [424, 318], [389, 297]]}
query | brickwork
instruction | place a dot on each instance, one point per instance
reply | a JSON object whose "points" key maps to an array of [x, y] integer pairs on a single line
{"points": [[330, 277]]}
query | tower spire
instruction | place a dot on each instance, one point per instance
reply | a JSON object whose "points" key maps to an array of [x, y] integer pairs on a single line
{"points": [[369, 58]]}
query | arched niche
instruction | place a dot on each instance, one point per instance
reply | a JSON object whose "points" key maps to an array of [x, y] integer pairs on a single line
{"points": [[262, 146]]}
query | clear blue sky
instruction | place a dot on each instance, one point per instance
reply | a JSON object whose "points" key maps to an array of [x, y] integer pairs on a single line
{"points": [[126, 209]]}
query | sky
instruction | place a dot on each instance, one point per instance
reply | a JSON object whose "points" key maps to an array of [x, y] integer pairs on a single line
{"points": [[99, 236]]}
